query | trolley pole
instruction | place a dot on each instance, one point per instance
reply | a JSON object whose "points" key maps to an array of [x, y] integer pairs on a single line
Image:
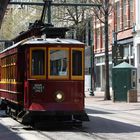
{"points": [[49, 3]]}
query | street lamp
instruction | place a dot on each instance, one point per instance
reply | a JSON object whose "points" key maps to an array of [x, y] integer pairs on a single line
{"points": [[91, 58], [91, 70]]}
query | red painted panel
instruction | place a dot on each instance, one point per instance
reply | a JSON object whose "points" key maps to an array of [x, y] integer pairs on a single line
{"points": [[56, 106], [12, 92], [73, 95], [26, 95], [13, 97], [11, 87]]}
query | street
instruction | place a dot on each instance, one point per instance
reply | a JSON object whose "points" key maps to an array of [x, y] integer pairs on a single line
{"points": [[54, 51], [108, 121], [114, 121]]}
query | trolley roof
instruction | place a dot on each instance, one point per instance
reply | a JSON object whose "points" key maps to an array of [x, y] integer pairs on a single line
{"points": [[52, 41], [44, 41]]}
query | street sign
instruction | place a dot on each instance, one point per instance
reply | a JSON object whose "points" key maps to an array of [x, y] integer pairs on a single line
{"points": [[117, 50], [117, 54]]}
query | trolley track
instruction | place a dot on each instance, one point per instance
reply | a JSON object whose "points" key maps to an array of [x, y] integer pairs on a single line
{"points": [[76, 131], [89, 134]]}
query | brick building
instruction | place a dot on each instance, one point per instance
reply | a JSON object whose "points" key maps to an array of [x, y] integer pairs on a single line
{"points": [[136, 40], [121, 23]]}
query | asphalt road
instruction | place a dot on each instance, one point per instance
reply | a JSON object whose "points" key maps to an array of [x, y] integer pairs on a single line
{"points": [[108, 121]]}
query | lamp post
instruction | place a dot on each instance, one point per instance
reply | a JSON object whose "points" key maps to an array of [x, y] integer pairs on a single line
{"points": [[91, 70], [90, 32]]}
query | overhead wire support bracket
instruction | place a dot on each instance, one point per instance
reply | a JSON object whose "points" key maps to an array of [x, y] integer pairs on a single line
{"points": [[48, 4], [56, 4]]}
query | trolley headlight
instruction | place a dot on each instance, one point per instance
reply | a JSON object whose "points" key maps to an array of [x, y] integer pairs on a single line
{"points": [[59, 96]]}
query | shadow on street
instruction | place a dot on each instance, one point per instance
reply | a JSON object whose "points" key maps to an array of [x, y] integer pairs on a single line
{"points": [[102, 125], [6, 134], [90, 111]]}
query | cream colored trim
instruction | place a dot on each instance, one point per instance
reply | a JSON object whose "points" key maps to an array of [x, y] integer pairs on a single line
{"points": [[9, 91], [9, 82]]}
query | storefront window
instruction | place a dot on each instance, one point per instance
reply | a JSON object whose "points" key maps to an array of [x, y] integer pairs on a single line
{"points": [[98, 74], [126, 51]]}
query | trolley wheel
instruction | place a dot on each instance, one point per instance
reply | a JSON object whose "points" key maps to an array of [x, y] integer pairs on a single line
{"points": [[78, 123]]}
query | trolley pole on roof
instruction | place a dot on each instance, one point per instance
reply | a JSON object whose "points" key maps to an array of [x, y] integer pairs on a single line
{"points": [[49, 11], [48, 4]]}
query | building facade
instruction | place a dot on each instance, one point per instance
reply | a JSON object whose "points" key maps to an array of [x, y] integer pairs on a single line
{"points": [[121, 23], [122, 20], [137, 42]]}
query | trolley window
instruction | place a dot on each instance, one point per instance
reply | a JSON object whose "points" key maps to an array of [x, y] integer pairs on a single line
{"points": [[58, 63], [77, 64], [38, 61]]}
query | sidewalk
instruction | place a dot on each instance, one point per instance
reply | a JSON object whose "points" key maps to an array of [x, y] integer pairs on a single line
{"points": [[98, 101]]}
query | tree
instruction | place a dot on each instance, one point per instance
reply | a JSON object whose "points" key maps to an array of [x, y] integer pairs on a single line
{"points": [[17, 19], [72, 16], [102, 14], [75, 17]]}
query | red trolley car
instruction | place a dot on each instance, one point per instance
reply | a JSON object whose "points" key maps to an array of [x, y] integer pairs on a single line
{"points": [[43, 79]]}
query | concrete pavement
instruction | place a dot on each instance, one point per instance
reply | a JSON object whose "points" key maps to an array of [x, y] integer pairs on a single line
{"points": [[98, 101], [113, 121]]}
